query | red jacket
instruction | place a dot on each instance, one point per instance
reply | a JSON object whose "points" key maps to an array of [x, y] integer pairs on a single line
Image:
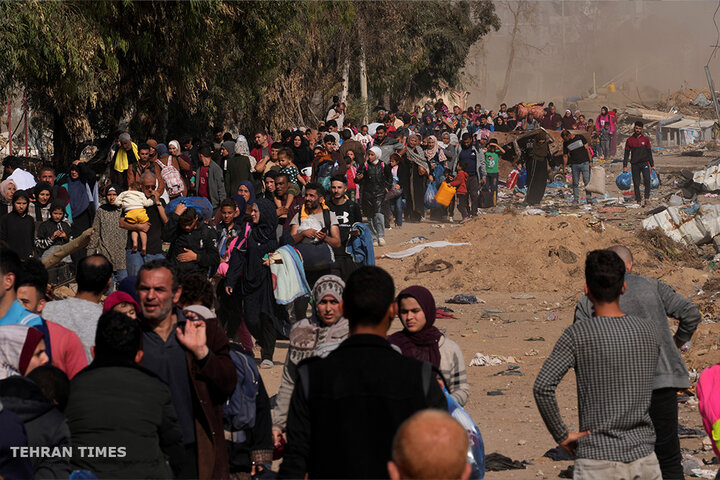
{"points": [[460, 182]]}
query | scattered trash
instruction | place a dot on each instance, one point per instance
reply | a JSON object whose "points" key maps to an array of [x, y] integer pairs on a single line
{"points": [[612, 210], [694, 225], [556, 184], [704, 473], [434, 266], [535, 339], [711, 195], [440, 313], [552, 317], [690, 432], [559, 454], [690, 463], [490, 311], [567, 473], [523, 296], [464, 300], [701, 101], [446, 309], [496, 462], [565, 255], [482, 360], [512, 370], [415, 240], [495, 393], [532, 353], [534, 211], [675, 200]]}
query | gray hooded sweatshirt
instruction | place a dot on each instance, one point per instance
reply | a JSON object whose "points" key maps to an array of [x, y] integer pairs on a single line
{"points": [[655, 300]]}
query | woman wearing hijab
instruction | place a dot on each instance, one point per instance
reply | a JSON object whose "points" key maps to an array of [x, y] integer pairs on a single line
{"points": [[606, 117], [249, 277], [501, 125], [421, 340], [413, 175], [246, 190], [438, 163], [302, 154], [316, 336], [22, 349], [39, 208], [182, 159], [174, 188], [235, 165], [537, 170], [7, 190], [153, 149], [82, 188], [568, 121], [108, 238]]}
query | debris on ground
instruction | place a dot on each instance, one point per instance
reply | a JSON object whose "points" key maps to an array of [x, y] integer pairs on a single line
{"points": [[464, 300], [496, 462], [482, 360]]}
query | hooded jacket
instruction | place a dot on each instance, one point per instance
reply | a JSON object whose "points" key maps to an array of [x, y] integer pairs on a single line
{"points": [[202, 241], [45, 425]]}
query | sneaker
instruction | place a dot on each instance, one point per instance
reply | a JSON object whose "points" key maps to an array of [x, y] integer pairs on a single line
{"points": [[375, 243], [381, 242], [267, 363], [465, 220]]}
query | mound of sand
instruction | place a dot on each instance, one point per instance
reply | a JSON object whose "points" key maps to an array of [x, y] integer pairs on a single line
{"points": [[517, 253]]}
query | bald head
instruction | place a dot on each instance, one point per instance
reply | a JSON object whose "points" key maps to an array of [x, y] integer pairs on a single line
{"points": [[625, 255], [430, 445]]}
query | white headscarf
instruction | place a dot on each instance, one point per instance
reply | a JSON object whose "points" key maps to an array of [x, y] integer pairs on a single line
{"points": [[177, 145], [241, 146], [12, 341], [377, 152]]}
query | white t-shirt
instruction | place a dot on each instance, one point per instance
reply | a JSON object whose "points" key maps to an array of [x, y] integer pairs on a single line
{"points": [[315, 221]]}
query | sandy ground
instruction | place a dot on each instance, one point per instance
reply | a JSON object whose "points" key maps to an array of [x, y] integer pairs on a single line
{"points": [[510, 423]]}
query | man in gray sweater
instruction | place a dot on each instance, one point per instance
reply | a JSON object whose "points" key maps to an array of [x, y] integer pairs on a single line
{"points": [[654, 300]]}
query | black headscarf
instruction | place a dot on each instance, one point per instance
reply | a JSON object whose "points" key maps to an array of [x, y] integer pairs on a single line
{"points": [[39, 187], [303, 154], [264, 230]]}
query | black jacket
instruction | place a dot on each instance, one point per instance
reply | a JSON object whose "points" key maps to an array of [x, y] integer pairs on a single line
{"points": [[124, 406], [376, 181], [360, 393], [19, 233], [202, 241], [45, 425]]}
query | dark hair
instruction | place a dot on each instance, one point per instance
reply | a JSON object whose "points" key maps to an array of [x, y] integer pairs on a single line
{"points": [[228, 202], [117, 338], [196, 290], [271, 174], [604, 275], [276, 146], [381, 127], [261, 132], [281, 174], [227, 137], [287, 152], [315, 186], [447, 172], [395, 156], [57, 205], [9, 263], [346, 134], [53, 383], [155, 265], [143, 146], [503, 104], [331, 123], [20, 194], [205, 151], [47, 168], [188, 216], [185, 140], [639, 124], [33, 274], [93, 273], [565, 133], [339, 177], [465, 136], [218, 130], [329, 138], [369, 292]]}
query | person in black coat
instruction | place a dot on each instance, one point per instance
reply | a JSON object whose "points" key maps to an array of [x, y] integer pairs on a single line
{"points": [[13, 435], [44, 423], [375, 179], [193, 245], [17, 228], [114, 402], [346, 408]]}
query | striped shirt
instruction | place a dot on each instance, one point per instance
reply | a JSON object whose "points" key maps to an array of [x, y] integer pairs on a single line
{"points": [[614, 360]]}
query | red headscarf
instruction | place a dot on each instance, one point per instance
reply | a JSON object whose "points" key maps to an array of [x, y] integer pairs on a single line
{"points": [[423, 345]]}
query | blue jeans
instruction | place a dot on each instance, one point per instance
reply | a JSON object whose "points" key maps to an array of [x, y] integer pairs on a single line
{"points": [[377, 226], [397, 210], [577, 170], [135, 260]]}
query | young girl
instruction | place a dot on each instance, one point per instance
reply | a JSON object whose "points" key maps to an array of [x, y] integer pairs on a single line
{"points": [[17, 228], [294, 177], [350, 174], [422, 341], [133, 203], [394, 195], [53, 232]]}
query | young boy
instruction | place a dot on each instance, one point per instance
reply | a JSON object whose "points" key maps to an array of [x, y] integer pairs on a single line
{"points": [[133, 203], [54, 231], [605, 137], [394, 195], [492, 166], [614, 357], [294, 177], [123, 303], [461, 194], [193, 245]]}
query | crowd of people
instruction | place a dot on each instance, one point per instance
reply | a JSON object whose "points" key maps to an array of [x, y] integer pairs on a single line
{"points": [[201, 254]]}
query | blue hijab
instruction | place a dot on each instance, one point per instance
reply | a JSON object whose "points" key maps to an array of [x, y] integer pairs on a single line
{"points": [[237, 197]]}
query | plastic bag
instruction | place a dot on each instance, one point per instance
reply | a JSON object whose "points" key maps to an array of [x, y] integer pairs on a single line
{"points": [[624, 181], [201, 205], [476, 451], [654, 180], [430, 193], [597, 181], [522, 178]]}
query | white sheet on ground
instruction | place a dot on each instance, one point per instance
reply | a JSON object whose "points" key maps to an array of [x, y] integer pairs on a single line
{"points": [[413, 250]]}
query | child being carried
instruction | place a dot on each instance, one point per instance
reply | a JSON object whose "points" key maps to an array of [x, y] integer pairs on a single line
{"points": [[133, 203]]}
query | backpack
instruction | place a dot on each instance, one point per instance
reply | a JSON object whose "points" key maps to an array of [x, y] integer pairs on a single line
{"points": [[173, 180], [240, 409]]}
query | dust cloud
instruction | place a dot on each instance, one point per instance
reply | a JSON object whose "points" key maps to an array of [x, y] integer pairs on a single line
{"points": [[646, 48]]}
